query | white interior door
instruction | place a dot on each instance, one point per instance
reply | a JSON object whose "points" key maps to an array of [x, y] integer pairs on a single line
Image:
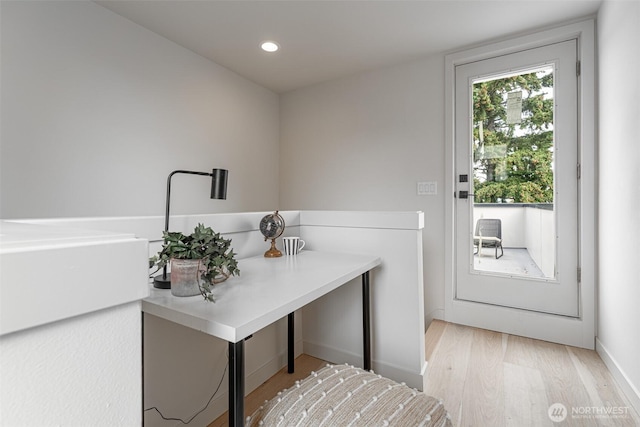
{"points": [[516, 160]]}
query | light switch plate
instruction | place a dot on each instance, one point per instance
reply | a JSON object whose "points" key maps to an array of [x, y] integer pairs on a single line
{"points": [[427, 188]]}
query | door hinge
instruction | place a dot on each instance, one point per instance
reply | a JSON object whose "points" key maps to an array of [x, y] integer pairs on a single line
{"points": [[579, 171], [579, 275], [578, 68]]}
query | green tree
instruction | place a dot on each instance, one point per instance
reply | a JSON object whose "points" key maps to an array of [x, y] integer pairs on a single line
{"points": [[514, 160]]}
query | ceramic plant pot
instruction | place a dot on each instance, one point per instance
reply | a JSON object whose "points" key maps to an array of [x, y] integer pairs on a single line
{"points": [[186, 275]]}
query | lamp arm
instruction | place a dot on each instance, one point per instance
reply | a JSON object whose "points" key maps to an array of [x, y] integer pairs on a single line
{"points": [[166, 215]]}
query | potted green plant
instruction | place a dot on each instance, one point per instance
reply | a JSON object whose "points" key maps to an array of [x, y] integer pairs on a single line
{"points": [[213, 260]]}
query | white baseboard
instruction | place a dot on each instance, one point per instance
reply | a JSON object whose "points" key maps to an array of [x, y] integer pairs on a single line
{"points": [[628, 388], [435, 314], [401, 375]]}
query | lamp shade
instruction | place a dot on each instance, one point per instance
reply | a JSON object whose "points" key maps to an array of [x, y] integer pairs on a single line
{"points": [[219, 183]]}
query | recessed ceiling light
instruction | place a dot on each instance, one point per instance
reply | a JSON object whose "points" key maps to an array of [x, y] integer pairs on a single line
{"points": [[269, 46]]}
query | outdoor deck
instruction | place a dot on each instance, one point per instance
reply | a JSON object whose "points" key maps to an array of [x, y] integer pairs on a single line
{"points": [[515, 261], [528, 238]]}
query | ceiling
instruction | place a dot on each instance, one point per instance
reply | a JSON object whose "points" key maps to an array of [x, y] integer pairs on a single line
{"points": [[328, 39]]}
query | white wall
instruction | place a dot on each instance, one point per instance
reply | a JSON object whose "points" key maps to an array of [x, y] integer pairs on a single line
{"points": [[70, 345], [397, 293], [83, 371], [97, 111], [619, 192], [362, 143], [541, 238]]}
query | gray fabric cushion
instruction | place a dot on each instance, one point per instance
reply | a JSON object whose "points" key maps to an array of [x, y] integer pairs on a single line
{"points": [[342, 395]]}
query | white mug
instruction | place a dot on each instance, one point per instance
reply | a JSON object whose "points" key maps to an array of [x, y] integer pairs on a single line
{"points": [[292, 245]]}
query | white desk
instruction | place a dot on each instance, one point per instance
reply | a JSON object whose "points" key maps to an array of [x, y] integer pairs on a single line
{"points": [[267, 290]]}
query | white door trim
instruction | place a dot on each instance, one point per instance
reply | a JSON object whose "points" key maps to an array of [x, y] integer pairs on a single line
{"points": [[571, 331]]}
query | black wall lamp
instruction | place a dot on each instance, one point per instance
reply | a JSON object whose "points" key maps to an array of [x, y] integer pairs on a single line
{"points": [[218, 191]]}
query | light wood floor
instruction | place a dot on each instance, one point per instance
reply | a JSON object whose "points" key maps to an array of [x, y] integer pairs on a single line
{"points": [[492, 379], [488, 378]]}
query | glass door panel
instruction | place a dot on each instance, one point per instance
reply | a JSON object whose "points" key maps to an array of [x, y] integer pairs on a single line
{"points": [[513, 177]]}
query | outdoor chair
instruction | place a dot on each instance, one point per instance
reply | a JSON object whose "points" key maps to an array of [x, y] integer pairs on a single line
{"points": [[488, 235]]}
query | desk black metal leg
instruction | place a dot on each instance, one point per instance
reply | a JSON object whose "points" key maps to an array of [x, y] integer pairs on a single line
{"points": [[366, 321], [236, 384], [290, 355]]}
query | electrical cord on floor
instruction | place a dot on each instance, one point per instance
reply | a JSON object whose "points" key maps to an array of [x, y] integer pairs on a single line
{"points": [[197, 413]]}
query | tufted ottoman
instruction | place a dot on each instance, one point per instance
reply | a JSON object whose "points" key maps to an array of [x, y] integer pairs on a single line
{"points": [[342, 395]]}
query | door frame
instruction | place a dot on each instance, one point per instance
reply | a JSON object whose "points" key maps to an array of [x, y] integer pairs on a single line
{"points": [[579, 331]]}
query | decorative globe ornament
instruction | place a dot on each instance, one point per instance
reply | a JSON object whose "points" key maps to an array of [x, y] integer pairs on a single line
{"points": [[272, 227]]}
